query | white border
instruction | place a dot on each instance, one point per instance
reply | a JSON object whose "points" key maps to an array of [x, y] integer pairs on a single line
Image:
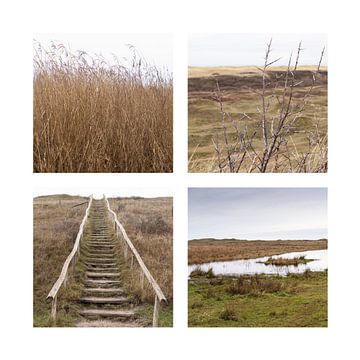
{"points": [[23, 18]]}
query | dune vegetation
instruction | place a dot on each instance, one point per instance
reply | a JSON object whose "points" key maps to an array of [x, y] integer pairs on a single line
{"points": [[56, 223], [95, 115], [287, 262], [296, 300], [258, 119], [149, 225]]}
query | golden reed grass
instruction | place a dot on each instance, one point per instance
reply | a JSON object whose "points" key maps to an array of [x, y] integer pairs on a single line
{"points": [[92, 115]]}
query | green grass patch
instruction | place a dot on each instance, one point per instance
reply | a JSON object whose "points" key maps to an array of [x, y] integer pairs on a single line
{"points": [[297, 300], [165, 315]]}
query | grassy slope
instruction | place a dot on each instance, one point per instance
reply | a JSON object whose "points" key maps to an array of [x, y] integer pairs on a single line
{"points": [[205, 121], [304, 304], [56, 223], [148, 223], [206, 250]]}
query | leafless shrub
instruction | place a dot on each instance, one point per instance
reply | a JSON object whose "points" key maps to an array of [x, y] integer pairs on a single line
{"points": [[279, 111]]}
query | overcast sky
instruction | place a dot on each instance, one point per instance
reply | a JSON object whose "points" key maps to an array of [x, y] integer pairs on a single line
{"points": [[109, 192], [249, 49], [155, 48], [258, 213]]}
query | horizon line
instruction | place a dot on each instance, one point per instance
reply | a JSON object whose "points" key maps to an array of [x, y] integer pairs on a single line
{"points": [[219, 239]]}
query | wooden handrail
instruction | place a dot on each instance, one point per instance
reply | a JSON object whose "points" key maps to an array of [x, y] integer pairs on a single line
{"points": [[159, 295], [52, 296]]}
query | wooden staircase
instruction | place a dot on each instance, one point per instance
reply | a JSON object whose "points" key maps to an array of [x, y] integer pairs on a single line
{"points": [[103, 301]]}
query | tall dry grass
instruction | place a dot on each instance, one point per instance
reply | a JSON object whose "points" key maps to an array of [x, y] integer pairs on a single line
{"points": [[148, 223], [56, 224], [91, 115]]}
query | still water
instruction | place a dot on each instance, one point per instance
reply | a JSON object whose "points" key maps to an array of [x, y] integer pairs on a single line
{"points": [[254, 266]]}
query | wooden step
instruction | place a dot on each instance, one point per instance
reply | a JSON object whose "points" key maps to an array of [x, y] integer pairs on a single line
{"points": [[102, 256], [107, 255], [107, 323], [100, 244], [97, 282], [94, 274], [104, 300], [102, 269], [98, 260], [101, 251], [104, 290], [105, 266], [91, 242], [100, 247], [124, 314]]}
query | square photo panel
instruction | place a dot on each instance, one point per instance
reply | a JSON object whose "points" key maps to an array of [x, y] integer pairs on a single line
{"points": [[257, 257], [257, 103], [102, 103], [103, 260]]}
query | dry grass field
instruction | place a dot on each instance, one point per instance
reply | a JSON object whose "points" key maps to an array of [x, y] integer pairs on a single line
{"points": [[148, 223], [56, 223], [94, 116], [206, 250], [225, 122], [198, 71]]}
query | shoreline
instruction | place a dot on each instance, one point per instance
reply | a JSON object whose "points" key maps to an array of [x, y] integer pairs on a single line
{"points": [[209, 250]]}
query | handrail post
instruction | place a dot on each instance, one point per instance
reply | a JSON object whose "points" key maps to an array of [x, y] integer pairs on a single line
{"points": [[53, 309], [156, 312], [125, 250]]}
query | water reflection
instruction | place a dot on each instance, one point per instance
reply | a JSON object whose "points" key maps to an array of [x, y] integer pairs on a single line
{"points": [[254, 266]]}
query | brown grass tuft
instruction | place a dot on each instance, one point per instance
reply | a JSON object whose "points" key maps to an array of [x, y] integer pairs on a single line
{"points": [[254, 285]]}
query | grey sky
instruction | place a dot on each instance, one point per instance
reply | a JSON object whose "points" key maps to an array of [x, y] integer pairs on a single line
{"points": [[155, 48], [258, 213], [249, 49]]}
